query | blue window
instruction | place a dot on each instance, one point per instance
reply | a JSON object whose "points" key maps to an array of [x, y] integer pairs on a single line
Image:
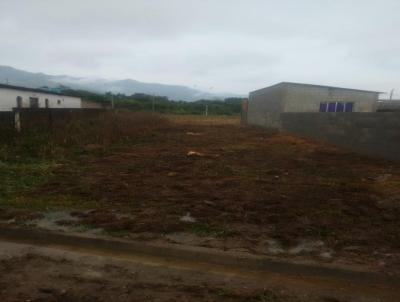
{"points": [[340, 107], [336, 107], [332, 107], [323, 107], [349, 107]]}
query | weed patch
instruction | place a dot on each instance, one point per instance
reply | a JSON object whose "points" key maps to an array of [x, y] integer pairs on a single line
{"points": [[266, 296], [205, 230]]}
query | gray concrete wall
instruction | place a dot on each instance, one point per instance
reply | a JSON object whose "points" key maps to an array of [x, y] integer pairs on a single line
{"points": [[6, 120], [388, 106], [375, 134], [307, 98], [6, 124], [265, 107], [52, 118], [25, 119]]}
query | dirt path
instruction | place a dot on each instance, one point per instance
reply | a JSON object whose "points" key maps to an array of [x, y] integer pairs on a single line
{"points": [[33, 273]]}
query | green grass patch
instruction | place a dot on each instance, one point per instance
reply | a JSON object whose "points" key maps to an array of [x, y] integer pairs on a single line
{"points": [[205, 230], [319, 231], [47, 203], [20, 177], [266, 296]]}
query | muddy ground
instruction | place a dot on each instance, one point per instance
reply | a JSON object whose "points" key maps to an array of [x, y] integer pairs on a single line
{"points": [[215, 183], [34, 273], [34, 278]]}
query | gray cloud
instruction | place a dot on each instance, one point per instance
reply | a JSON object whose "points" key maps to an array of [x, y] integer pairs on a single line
{"points": [[217, 45]]}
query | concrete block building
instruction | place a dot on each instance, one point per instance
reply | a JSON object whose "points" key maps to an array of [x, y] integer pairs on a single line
{"points": [[20, 97], [266, 105]]}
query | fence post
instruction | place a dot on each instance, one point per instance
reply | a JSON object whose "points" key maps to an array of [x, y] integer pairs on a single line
{"points": [[50, 119], [244, 113], [17, 120]]}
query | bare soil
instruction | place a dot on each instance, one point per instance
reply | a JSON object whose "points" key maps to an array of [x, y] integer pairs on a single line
{"points": [[40, 274], [239, 188]]}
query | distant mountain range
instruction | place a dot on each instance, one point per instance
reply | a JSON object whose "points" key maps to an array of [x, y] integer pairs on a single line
{"points": [[18, 77]]}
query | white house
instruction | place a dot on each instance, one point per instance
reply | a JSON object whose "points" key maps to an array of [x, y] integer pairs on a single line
{"points": [[21, 97]]}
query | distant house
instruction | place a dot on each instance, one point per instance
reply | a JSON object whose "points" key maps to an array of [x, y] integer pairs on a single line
{"points": [[95, 105], [266, 105], [21, 97]]}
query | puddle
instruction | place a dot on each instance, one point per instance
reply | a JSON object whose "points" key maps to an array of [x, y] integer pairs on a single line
{"points": [[315, 247], [187, 238], [306, 246], [188, 218], [63, 221], [274, 247]]}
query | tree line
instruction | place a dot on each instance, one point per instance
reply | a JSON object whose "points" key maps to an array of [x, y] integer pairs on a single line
{"points": [[161, 104]]}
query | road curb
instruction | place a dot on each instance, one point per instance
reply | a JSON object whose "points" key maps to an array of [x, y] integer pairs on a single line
{"points": [[190, 254]]}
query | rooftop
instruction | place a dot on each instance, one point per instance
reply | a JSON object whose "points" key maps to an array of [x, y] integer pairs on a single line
{"points": [[318, 86], [6, 86]]}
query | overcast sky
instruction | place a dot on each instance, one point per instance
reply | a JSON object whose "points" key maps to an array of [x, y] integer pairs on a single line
{"points": [[215, 45]]}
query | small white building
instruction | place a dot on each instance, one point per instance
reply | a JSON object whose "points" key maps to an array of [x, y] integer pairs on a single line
{"points": [[20, 97]]}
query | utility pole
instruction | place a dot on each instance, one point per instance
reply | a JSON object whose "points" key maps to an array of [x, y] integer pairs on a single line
{"points": [[112, 101], [206, 112], [153, 105], [391, 94]]}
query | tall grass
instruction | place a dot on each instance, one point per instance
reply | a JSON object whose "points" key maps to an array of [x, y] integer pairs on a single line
{"points": [[101, 132]]}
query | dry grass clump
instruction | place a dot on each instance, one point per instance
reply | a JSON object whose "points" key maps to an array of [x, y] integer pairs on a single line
{"points": [[101, 132], [111, 128]]}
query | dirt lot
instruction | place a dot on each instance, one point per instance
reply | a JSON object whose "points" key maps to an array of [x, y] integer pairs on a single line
{"points": [[212, 182], [45, 275]]}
